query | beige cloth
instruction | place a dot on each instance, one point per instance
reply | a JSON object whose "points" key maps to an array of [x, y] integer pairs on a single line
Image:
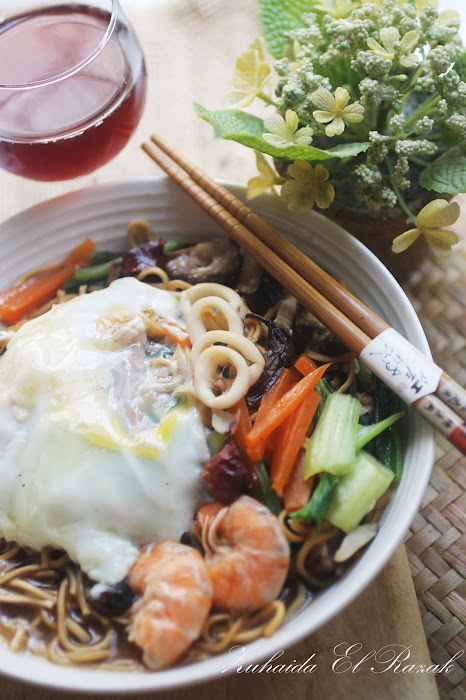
{"points": [[190, 48]]}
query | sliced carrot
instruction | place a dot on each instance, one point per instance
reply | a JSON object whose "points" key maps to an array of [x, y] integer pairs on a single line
{"points": [[173, 331], [18, 301], [305, 365], [80, 255], [283, 384], [281, 410], [243, 427], [290, 438], [298, 489]]}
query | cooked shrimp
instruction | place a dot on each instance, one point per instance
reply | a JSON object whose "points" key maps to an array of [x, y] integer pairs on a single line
{"points": [[246, 552], [176, 598]]}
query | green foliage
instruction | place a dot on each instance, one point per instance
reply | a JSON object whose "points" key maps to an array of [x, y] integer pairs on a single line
{"points": [[247, 129], [279, 17], [460, 65], [446, 174], [367, 93]]}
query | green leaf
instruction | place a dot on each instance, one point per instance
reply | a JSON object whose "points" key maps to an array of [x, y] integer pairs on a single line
{"points": [[447, 173], [247, 129], [279, 17]]}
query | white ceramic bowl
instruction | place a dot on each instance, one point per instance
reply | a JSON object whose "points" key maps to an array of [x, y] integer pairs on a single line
{"points": [[48, 231]]}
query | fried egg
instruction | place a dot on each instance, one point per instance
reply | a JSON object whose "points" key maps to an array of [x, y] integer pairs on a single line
{"points": [[100, 448]]}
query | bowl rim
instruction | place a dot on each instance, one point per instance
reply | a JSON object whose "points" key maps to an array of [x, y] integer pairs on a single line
{"points": [[75, 679]]}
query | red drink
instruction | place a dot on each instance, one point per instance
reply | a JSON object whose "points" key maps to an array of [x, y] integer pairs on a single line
{"points": [[70, 126]]}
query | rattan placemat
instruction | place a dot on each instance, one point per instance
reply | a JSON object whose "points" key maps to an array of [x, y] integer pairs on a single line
{"points": [[436, 542]]}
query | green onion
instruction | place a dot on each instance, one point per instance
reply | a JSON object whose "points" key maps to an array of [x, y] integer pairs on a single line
{"points": [[366, 433], [215, 442], [332, 445], [102, 256], [319, 503], [324, 389], [264, 492], [172, 246], [93, 273]]}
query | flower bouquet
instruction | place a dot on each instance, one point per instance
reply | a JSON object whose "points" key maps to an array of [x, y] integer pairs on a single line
{"points": [[365, 108]]}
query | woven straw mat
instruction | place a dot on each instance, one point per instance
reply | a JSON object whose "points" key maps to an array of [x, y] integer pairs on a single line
{"points": [[436, 542]]}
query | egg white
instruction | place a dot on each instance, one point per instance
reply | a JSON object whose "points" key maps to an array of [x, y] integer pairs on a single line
{"points": [[94, 457]]}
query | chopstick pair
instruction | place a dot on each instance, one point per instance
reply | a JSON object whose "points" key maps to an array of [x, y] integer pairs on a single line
{"points": [[414, 377]]}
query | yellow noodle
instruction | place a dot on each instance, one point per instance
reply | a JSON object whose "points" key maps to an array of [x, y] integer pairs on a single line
{"points": [[348, 381], [12, 552], [288, 528], [224, 641], [57, 562], [156, 271], [77, 631], [83, 604], [48, 620], [313, 540], [16, 599], [34, 591], [35, 272], [22, 571], [298, 600], [35, 622], [138, 232], [178, 285], [19, 639], [71, 581]]}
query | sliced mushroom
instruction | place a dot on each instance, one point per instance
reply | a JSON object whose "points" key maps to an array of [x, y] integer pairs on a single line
{"points": [[355, 540], [212, 261], [249, 277], [286, 313]]}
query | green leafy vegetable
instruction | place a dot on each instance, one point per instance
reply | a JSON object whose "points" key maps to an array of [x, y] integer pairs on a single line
{"points": [[388, 449], [358, 491], [319, 503], [332, 445]]}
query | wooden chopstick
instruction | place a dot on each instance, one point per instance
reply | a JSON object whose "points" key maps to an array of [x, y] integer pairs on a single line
{"points": [[331, 303], [448, 390], [324, 311]]}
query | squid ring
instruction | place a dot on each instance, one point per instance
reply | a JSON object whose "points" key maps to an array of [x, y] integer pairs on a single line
{"points": [[195, 324], [238, 342], [212, 289], [204, 375]]}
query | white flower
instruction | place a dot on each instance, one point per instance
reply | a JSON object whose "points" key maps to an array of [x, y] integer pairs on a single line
{"points": [[267, 180], [390, 36], [285, 132], [252, 73], [430, 222], [335, 111]]}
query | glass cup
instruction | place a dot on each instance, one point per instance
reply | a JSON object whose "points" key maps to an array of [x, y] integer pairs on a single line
{"points": [[72, 86]]}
